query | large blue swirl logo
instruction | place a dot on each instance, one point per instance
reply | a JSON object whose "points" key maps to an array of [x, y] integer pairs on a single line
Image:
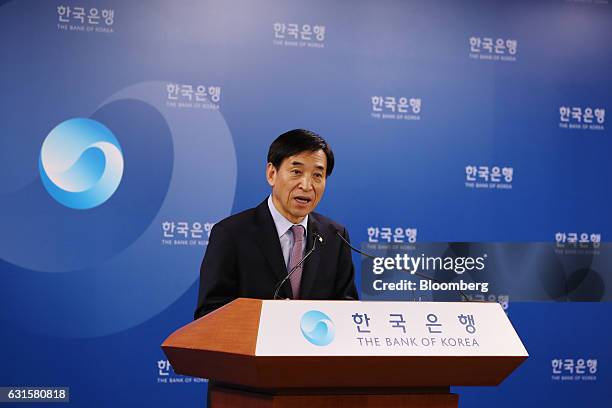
{"points": [[90, 266], [81, 163], [317, 328]]}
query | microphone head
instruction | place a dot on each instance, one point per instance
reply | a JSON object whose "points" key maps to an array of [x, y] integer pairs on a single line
{"points": [[317, 236]]}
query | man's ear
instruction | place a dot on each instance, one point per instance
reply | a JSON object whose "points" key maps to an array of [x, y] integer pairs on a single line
{"points": [[271, 174]]}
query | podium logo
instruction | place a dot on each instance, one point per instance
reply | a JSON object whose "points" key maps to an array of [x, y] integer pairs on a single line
{"points": [[317, 328], [81, 163]]}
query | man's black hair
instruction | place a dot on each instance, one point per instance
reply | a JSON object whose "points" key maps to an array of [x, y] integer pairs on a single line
{"points": [[297, 141]]}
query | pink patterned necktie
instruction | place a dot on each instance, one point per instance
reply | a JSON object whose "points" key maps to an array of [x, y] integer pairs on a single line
{"points": [[296, 256]]}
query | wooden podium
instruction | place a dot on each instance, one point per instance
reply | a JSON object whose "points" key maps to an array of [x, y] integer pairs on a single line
{"points": [[260, 354]]}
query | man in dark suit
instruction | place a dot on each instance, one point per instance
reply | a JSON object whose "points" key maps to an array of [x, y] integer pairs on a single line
{"points": [[250, 253]]}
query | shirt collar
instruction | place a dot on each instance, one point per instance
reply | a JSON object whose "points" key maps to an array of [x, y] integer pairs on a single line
{"points": [[283, 224]]}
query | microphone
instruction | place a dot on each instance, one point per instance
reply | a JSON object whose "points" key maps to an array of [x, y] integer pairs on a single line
{"points": [[317, 237], [413, 272]]}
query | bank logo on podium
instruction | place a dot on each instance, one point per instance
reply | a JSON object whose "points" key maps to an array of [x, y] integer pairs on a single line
{"points": [[317, 328], [81, 163]]}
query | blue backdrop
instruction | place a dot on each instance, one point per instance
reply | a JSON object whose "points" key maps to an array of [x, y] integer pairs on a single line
{"points": [[451, 121]]}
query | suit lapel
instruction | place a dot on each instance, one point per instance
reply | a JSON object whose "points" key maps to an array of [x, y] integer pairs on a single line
{"points": [[266, 237], [309, 273]]}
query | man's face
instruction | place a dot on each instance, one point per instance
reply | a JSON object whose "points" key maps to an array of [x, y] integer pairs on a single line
{"points": [[298, 184]]}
